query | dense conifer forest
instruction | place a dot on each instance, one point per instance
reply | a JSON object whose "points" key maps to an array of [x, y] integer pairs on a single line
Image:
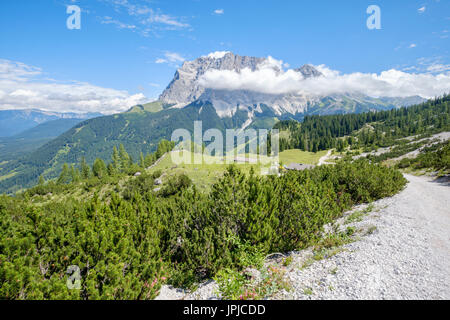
{"points": [[379, 128]]}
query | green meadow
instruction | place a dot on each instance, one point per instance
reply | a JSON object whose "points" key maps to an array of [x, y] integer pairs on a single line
{"points": [[212, 168]]}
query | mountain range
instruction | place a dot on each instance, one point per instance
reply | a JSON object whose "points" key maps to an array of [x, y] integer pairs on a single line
{"points": [[186, 99], [188, 86]]}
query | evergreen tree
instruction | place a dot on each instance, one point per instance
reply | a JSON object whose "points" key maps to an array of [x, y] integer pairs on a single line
{"points": [[99, 168], [85, 169], [125, 160], [142, 160], [111, 170], [116, 159], [64, 177]]}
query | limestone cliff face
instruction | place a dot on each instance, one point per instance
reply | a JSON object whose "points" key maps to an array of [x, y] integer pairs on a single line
{"points": [[185, 87]]}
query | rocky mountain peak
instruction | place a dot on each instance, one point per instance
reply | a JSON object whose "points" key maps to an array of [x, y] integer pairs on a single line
{"points": [[184, 88], [309, 71]]}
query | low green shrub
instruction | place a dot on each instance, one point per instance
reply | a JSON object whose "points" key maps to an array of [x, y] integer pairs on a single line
{"points": [[127, 246]]}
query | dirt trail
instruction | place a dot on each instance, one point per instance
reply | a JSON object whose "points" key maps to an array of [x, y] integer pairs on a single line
{"points": [[407, 257], [323, 160]]}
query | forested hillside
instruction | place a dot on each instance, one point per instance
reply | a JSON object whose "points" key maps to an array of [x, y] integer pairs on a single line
{"points": [[95, 138], [20, 144], [380, 128]]}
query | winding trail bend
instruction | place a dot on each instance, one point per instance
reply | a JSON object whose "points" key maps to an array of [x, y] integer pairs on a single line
{"points": [[323, 160], [407, 257]]}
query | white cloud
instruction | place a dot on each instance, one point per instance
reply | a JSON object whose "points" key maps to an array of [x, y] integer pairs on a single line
{"points": [[24, 93], [438, 68], [269, 78], [412, 45], [422, 9], [120, 25], [174, 57], [432, 65], [219, 11], [164, 19], [217, 54], [17, 70], [24, 87], [146, 20], [171, 58]]}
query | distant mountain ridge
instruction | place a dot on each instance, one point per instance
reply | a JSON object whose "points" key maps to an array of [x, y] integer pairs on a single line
{"points": [[13, 122], [29, 140]]}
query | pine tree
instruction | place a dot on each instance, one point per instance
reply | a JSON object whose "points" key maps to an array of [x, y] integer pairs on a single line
{"points": [[99, 168], [64, 177], [85, 170], [111, 170], [142, 160], [125, 160], [116, 159], [74, 174]]}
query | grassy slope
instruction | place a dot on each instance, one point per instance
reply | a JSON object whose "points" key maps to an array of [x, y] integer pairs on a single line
{"points": [[203, 175], [299, 156], [152, 107]]}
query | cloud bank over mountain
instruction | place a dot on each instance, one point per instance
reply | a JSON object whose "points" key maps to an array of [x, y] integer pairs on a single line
{"points": [[271, 78], [25, 87]]}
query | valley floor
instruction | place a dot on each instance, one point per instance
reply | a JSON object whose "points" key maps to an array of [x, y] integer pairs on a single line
{"points": [[402, 252]]}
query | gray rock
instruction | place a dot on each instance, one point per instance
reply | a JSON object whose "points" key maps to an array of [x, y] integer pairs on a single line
{"points": [[253, 274], [185, 87], [308, 71]]}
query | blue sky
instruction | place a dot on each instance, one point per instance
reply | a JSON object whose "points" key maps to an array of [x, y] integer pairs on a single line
{"points": [[135, 46]]}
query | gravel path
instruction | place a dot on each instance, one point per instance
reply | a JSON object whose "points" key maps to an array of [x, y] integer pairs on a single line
{"points": [[323, 160], [406, 254], [407, 257]]}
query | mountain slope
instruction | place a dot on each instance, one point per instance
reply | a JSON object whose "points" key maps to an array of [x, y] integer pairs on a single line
{"points": [[31, 139]]}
